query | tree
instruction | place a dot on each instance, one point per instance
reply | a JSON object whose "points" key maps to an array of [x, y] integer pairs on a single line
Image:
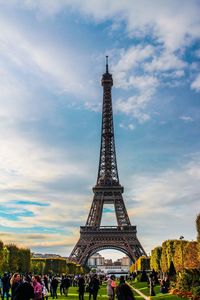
{"points": [[156, 259], [198, 227], [5, 261], [13, 257], [1, 256], [24, 257], [143, 263], [168, 250]]}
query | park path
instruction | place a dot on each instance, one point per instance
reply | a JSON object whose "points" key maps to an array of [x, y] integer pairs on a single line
{"points": [[140, 293]]}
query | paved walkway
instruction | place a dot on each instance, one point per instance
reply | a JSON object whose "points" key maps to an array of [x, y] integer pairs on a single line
{"points": [[141, 294]]}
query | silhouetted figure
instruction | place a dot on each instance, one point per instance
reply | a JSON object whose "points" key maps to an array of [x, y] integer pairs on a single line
{"points": [[54, 286], [25, 290], [124, 291], [81, 287], [144, 277], [14, 282], [5, 286], [66, 285], [94, 287], [151, 285]]}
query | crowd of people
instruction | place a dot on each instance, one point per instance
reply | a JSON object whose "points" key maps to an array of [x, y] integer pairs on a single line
{"points": [[17, 287]]}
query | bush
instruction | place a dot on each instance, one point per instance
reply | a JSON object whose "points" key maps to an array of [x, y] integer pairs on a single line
{"points": [[189, 281], [196, 291]]}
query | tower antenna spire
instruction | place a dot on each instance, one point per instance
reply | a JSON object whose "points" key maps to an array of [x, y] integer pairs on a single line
{"points": [[106, 63]]}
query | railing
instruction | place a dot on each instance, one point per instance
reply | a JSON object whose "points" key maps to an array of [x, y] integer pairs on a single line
{"points": [[108, 228]]}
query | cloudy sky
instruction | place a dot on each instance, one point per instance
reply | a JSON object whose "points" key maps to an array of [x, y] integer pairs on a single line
{"points": [[52, 56]]}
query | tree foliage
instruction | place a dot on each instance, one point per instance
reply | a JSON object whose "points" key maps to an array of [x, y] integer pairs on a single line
{"points": [[155, 260], [55, 265], [198, 227], [24, 259], [183, 254], [13, 257]]}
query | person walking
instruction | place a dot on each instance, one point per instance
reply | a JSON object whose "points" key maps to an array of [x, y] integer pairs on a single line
{"points": [[66, 284], [5, 286], [37, 285], [14, 282], [109, 289], [45, 289], [25, 290], [151, 285], [113, 285], [54, 286], [124, 291], [94, 286], [81, 287]]}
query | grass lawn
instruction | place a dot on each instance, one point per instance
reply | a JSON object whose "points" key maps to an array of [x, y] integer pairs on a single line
{"points": [[143, 287], [73, 294], [102, 295]]}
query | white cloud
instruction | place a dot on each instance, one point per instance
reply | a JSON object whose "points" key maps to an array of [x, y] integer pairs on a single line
{"points": [[37, 240], [167, 200], [174, 23], [196, 84], [135, 105], [132, 57], [42, 60], [129, 126], [165, 62], [186, 118], [197, 53]]}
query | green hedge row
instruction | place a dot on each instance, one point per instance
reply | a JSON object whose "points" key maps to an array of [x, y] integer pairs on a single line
{"points": [[14, 259]]}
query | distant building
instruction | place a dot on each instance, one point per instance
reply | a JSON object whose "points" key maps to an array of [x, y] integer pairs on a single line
{"points": [[108, 262], [46, 255], [107, 266], [125, 261], [96, 260]]}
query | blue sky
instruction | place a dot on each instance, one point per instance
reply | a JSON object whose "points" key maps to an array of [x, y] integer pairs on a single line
{"points": [[52, 56]]}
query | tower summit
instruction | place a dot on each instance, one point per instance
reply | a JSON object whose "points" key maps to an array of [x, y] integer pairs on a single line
{"points": [[93, 236]]}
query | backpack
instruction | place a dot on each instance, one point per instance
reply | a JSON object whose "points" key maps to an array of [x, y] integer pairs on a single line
{"points": [[44, 291]]}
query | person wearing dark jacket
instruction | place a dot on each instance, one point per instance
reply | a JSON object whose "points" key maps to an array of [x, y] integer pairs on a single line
{"points": [[25, 290], [94, 287], [81, 287], [5, 286], [15, 281], [124, 291], [54, 286]]}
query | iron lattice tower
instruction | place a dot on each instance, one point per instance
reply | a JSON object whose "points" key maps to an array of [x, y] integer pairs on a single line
{"points": [[93, 236]]}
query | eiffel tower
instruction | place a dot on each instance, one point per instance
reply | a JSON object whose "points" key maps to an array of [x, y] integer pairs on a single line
{"points": [[93, 236]]}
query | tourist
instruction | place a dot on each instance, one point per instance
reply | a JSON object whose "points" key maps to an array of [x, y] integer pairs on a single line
{"points": [[124, 291], [62, 285], [45, 290], [109, 289], [81, 287], [37, 285], [66, 284], [25, 290], [94, 287], [151, 285], [14, 282], [113, 285], [54, 286], [5, 286]]}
